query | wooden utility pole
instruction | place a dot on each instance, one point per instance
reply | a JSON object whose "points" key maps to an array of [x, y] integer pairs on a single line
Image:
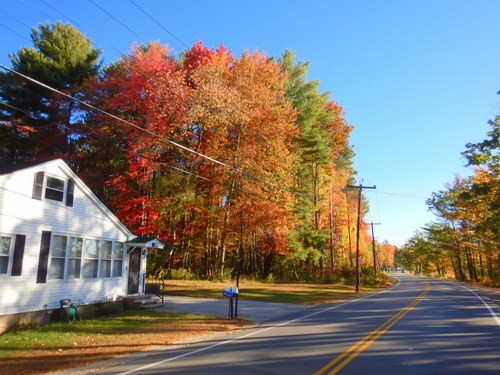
{"points": [[360, 187], [332, 240], [374, 250]]}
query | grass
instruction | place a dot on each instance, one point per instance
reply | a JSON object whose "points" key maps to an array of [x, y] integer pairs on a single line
{"points": [[300, 293], [60, 345]]}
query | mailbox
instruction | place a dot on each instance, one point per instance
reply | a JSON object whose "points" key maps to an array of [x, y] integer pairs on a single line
{"points": [[230, 291]]}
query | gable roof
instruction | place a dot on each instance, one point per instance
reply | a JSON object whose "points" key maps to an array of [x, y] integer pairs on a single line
{"points": [[141, 241], [10, 168], [66, 170]]}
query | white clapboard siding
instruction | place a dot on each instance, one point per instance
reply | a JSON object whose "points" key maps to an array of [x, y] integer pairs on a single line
{"points": [[88, 218]]}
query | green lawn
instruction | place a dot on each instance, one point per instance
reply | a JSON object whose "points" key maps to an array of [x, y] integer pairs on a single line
{"points": [[301, 293]]}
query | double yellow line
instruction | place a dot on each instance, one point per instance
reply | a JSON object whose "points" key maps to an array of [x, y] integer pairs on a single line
{"points": [[343, 359]]}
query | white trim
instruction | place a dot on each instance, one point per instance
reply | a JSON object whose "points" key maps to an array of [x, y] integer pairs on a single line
{"points": [[11, 254], [66, 170]]}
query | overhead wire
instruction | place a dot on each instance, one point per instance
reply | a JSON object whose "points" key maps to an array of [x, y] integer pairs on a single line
{"points": [[61, 126], [176, 144], [151, 133], [113, 17], [145, 74], [14, 32], [159, 24]]}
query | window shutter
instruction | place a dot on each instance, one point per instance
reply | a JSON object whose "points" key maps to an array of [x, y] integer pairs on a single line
{"points": [[38, 185], [70, 193], [17, 261], [43, 260]]}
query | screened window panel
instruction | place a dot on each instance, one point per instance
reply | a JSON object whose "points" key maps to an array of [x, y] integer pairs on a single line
{"points": [[74, 266], [59, 246], [56, 270], [92, 249], [118, 250], [105, 268], [117, 268], [106, 248], [89, 268], [75, 248]]}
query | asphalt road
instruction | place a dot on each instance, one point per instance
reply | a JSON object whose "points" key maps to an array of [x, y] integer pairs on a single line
{"points": [[419, 326]]}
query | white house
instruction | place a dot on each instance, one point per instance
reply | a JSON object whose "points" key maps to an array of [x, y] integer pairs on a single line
{"points": [[58, 241]]}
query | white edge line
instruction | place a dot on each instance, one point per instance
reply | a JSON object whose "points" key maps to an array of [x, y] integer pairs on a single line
{"points": [[490, 309], [254, 333]]}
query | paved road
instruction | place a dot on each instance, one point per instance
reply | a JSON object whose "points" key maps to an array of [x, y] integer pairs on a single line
{"points": [[420, 326], [254, 311]]}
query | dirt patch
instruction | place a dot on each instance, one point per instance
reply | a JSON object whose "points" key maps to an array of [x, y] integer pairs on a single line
{"points": [[95, 348]]}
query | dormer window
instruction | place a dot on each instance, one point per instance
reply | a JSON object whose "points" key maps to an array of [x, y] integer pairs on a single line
{"points": [[53, 188]]}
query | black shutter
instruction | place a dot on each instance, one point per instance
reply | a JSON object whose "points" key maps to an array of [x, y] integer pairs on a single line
{"points": [[17, 261], [38, 185], [70, 193], [43, 260]]}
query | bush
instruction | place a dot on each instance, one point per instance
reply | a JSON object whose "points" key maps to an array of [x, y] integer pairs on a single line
{"points": [[179, 274]]}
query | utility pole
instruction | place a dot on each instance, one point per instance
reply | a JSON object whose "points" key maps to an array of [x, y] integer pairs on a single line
{"points": [[332, 244], [360, 187], [374, 251]]}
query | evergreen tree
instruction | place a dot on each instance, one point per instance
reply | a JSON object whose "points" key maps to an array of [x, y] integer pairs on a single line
{"points": [[37, 122], [313, 155]]}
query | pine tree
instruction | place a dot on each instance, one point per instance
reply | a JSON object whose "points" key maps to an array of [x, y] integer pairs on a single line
{"points": [[61, 57]]}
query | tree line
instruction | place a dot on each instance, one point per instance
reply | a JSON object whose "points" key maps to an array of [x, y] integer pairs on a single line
{"points": [[224, 158], [465, 239]]}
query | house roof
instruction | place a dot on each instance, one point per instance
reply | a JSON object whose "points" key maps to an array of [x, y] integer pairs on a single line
{"points": [[9, 168], [141, 241], [61, 164]]}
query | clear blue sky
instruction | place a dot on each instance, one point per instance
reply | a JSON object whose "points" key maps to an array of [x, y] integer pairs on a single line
{"points": [[418, 78]]}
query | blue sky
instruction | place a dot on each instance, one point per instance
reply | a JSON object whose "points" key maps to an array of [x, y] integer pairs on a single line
{"points": [[417, 78]]}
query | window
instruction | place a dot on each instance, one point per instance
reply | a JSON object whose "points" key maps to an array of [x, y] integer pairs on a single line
{"points": [[74, 257], [55, 188], [5, 252], [12, 254], [117, 259], [106, 250], [91, 258], [58, 257]]}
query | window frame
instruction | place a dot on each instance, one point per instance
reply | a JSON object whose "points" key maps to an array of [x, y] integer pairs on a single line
{"points": [[69, 256], [50, 269], [43, 192], [53, 190], [11, 253]]}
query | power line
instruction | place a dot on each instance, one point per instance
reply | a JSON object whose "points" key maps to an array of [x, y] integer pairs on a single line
{"points": [[169, 165], [402, 195], [57, 10], [149, 132], [15, 18], [158, 136], [14, 32], [159, 24], [117, 20]]}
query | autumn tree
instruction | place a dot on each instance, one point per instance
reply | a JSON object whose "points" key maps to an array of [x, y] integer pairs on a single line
{"points": [[469, 214]]}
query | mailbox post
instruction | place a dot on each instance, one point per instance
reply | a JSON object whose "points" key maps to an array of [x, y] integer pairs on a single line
{"points": [[230, 292], [238, 271]]}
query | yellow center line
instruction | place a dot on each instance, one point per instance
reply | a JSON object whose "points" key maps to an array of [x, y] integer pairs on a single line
{"points": [[354, 350]]}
